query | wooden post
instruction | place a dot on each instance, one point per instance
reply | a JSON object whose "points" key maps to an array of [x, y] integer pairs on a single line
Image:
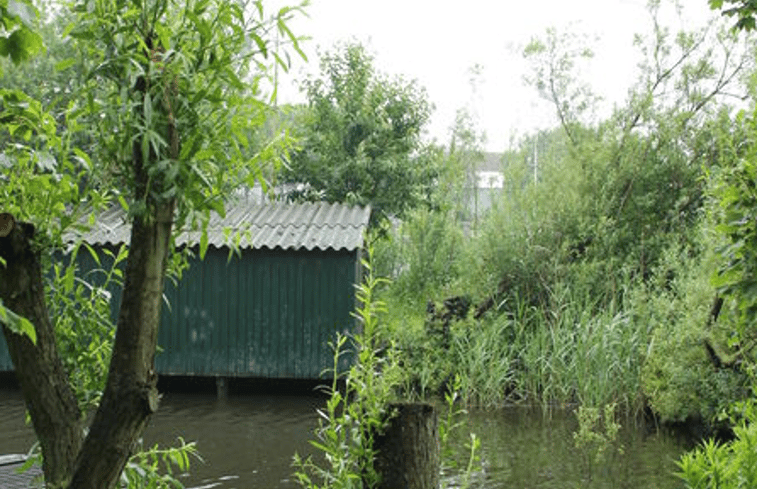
{"points": [[408, 451], [222, 388]]}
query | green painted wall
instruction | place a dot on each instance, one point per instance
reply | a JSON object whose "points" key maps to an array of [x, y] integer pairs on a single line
{"points": [[5, 360], [270, 313]]}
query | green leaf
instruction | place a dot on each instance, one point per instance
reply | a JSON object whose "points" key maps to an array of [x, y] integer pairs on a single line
{"points": [[148, 109], [17, 324], [204, 239], [23, 44], [260, 42], [46, 162], [217, 205], [65, 64]]}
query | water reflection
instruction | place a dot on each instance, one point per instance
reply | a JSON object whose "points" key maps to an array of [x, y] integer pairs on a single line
{"points": [[248, 440], [524, 448]]}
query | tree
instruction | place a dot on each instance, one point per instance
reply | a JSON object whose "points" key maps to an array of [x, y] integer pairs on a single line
{"points": [[745, 10], [361, 136], [555, 61], [174, 85], [636, 176]]}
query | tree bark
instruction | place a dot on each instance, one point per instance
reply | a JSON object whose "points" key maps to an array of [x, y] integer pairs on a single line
{"points": [[408, 451], [130, 395], [45, 384]]}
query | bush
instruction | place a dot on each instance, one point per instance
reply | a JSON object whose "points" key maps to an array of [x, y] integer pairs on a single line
{"points": [[680, 380], [422, 256], [731, 465]]}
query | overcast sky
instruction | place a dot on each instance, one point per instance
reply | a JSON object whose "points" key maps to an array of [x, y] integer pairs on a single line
{"points": [[438, 41]]}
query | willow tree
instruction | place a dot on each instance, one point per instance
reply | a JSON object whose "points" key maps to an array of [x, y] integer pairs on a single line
{"points": [[174, 86]]}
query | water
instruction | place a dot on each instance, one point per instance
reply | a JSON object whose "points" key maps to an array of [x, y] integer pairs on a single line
{"points": [[524, 448], [247, 442]]}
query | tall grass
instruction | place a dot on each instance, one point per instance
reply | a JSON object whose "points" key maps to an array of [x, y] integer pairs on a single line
{"points": [[569, 354], [483, 361]]}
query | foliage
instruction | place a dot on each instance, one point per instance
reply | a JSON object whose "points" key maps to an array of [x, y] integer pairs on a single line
{"points": [[169, 91], [151, 468], [154, 468], [735, 192], [422, 255], [590, 272], [361, 137], [198, 69], [449, 425], [596, 438], [745, 10], [358, 413], [56, 80], [567, 355], [457, 185], [555, 61], [726, 465], [680, 380], [630, 184], [41, 173], [81, 308], [19, 39], [732, 464]]}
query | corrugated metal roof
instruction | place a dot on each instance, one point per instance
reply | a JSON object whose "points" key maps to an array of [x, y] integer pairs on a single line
{"points": [[286, 226]]}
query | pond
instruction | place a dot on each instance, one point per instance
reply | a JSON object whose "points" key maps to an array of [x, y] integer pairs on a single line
{"points": [[247, 442]]}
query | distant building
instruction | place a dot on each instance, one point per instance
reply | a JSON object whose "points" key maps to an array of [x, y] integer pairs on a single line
{"points": [[487, 185]]}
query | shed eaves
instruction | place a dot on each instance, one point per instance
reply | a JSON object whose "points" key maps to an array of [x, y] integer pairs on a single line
{"points": [[287, 226]]}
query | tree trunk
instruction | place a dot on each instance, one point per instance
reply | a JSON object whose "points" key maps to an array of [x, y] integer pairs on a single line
{"points": [[408, 451], [130, 395], [45, 384]]}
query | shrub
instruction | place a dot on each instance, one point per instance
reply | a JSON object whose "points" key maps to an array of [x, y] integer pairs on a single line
{"points": [[731, 465], [680, 380]]}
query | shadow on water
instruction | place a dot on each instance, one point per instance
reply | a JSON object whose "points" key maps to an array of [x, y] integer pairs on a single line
{"points": [[247, 440]]}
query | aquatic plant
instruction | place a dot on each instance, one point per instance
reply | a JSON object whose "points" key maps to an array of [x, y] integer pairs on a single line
{"points": [[596, 437]]}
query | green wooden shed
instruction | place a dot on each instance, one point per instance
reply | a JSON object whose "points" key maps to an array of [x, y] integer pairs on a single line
{"points": [[269, 312]]}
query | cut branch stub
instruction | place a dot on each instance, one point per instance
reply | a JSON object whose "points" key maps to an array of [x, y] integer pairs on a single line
{"points": [[7, 223]]}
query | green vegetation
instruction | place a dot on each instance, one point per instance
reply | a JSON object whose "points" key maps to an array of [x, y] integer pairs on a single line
{"points": [[725, 465], [360, 137], [358, 406], [616, 269], [355, 414], [596, 438], [589, 281], [732, 464], [164, 102]]}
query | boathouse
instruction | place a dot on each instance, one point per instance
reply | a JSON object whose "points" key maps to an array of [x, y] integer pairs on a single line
{"points": [[268, 311]]}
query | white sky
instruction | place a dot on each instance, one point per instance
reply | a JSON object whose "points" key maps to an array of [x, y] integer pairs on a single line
{"points": [[438, 41]]}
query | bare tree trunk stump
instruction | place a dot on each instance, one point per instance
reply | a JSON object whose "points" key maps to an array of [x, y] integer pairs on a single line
{"points": [[408, 451]]}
